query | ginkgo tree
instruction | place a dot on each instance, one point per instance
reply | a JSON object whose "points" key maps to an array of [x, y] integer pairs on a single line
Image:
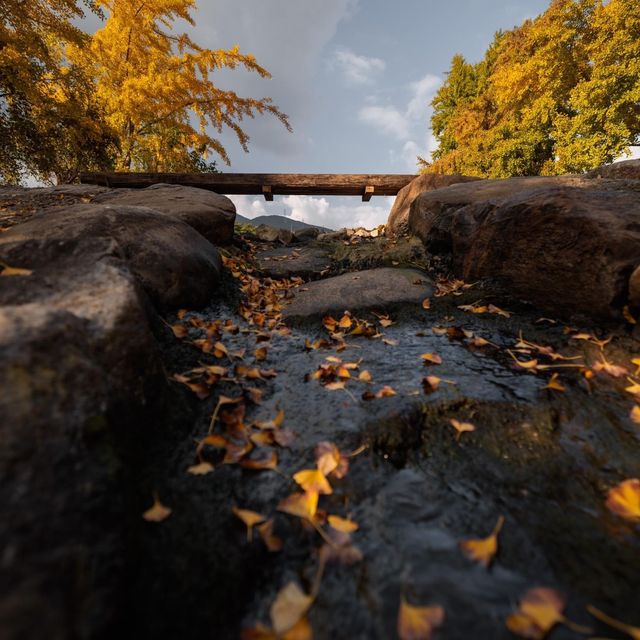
{"points": [[157, 90]]}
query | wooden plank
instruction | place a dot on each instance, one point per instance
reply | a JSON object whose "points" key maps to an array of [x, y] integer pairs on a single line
{"points": [[266, 190], [368, 192], [312, 184]]}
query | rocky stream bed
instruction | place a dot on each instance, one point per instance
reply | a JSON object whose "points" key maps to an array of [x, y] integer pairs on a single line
{"points": [[349, 354]]}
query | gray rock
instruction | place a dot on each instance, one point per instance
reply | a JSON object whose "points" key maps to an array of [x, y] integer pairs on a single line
{"points": [[272, 234], [304, 235], [625, 170], [209, 213], [377, 289], [570, 250], [398, 221], [306, 262], [174, 264]]}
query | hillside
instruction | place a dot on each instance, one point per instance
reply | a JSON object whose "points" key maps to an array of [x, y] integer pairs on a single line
{"points": [[279, 222]]}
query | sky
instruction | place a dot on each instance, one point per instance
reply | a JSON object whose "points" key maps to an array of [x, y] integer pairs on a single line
{"points": [[356, 78]]}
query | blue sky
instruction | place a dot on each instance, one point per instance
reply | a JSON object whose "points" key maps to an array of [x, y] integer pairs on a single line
{"points": [[356, 78]]}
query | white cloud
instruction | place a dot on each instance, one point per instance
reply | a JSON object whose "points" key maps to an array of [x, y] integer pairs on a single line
{"points": [[387, 119], [406, 124], [249, 206], [338, 213], [356, 69]]}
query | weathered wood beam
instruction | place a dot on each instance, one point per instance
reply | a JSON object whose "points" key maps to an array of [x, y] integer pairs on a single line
{"points": [[368, 192], [312, 184]]}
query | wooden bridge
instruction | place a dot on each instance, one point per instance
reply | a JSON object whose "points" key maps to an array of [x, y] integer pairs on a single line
{"points": [[265, 184]]}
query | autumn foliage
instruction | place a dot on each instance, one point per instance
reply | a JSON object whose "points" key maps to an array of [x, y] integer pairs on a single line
{"points": [[136, 95], [558, 94]]}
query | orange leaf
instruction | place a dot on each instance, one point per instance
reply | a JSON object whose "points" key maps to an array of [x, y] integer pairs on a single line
{"points": [[635, 414], [250, 518], [426, 303], [431, 358], [289, 607], [158, 512], [483, 550], [461, 427], [554, 384], [342, 524], [303, 505], [624, 499], [313, 480], [264, 459], [418, 623], [365, 376], [200, 469], [272, 542], [539, 611]]}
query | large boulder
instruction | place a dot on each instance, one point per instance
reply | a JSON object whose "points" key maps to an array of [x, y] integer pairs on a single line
{"points": [[568, 244], [174, 264], [274, 234], [211, 214], [398, 221], [78, 363], [625, 170], [376, 289]]}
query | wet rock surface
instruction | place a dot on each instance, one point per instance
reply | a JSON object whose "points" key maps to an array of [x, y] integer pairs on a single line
{"points": [[568, 244], [543, 454], [380, 289], [307, 262]]}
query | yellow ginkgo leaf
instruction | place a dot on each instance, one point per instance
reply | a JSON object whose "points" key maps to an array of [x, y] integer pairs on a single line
{"points": [[302, 505], [483, 550], [431, 358], [418, 623], [313, 480], [200, 469], [461, 427], [365, 376], [554, 384], [624, 499], [14, 271], [342, 524], [635, 414], [289, 607], [157, 512], [250, 518]]}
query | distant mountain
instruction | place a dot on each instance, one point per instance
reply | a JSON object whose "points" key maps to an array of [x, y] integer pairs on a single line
{"points": [[278, 222]]}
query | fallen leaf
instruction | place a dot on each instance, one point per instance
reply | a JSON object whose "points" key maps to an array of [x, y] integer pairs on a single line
{"points": [[426, 303], [634, 388], [431, 358], [303, 505], [554, 384], [200, 469], [345, 322], [624, 499], [614, 370], [272, 542], [342, 524], [390, 342], [632, 632], [263, 459], [250, 518], [158, 512], [289, 607], [260, 354], [539, 611], [430, 384], [365, 376], [483, 550], [14, 271], [334, 386], [179, 330], [418, 623], [635, 414], [628, 316], [461, 427], [636, 361], [313, 480]]}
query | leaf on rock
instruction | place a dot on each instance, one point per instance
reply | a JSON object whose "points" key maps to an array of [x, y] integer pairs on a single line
{"points": [[272, 542], [200, 469], [539, 611], [250, 518], [342, 524], [430, 384], [179, 330], [313, 480], [624, 500], [334, 386], [461, 427], [554, 384], [303, 505], [426, 303], [260, 354], [14, 271], [431, 358], [290, 605], [635, 414], [262, 459], [483, 550], [157, 512], [418, 623], [365, 376]]}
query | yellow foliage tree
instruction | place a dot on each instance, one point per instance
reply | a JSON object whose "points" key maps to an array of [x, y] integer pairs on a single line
{"points": [[156, 86]]}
